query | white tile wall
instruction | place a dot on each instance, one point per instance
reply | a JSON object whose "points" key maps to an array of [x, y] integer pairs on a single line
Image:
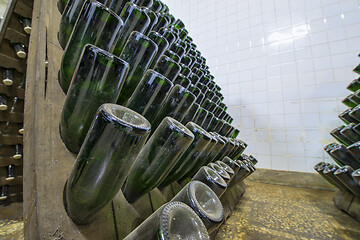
{"points": [[283, 66]]}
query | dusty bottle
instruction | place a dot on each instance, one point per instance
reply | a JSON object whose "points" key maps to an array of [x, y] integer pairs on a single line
{"points": [[355, 113], [227, 169], [225, 130], [200, 116], [169, 34], [173, 220], [172, 55], [3, 194], [344, 157], [182, 80], [212, 179], [19, 49], [243, 173], [190, 157], [357, 69], [231, 163], [319, 167], [329, 171], [204, 201], [207, 120], [221, 171], [354, 85], [185, 71], [95, 25], [8, 76], [344, 175], [186, 60], [98, 79], [349, 133], [149, 94], [161, 43], [156, 6], [135, 19], [155, 161], [176, 105], [115, 138], [3, 102], [139, 51], [10, 173], [190, 114], [167, 67], [162, 22], [226, 150], [339, 137], [354, 149], [153, 19], [347, 118]]}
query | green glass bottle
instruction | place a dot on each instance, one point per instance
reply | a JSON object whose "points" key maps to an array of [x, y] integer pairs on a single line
{"points": [[328, 172], [235, 133], [172, 55], [231, 163], [212, 179], [149, 94], [200, 116], [355, 113], [220, 145], [98, 79], [193, 78], [185, 70], [219, 125], [178, 49], [8, 76], [339, 137], [161, 43], [221, 171], [203, 200], [217, 111], [61, 5], [139, 51], [176, 105], [194, 90], [354, 98], [225, 130], [183, 34], [349, 133], [207, 120], [173, 220], [212, 124], [153, 19], [167, 67], [347, 118], [189, 116], [182, 80], [216, 99], [344, 175], [156, 6], [135, 19], [190, 157], [186, 60], [118, 5], [166, 145], [354, 85], [357, 69], [239, 149], [344, 157], [202, 87], [168, 34], [115, 138], [201, 161], [95, 25], [162, 22], [143, 3]]}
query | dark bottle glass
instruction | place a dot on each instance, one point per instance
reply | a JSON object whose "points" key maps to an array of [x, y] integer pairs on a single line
{"points": [[212, 179], [19, 49], [193, 78], [176, 105], [200, 116], [162, 45], [26, 23], [344, 157], [182, 80], [61, 5], [216, 99], [349, 133], [194, 90], [202, 87], [208, 104], [149, 94], [227, 169], [344, 175], [211, 85], [207, 120], [222, 114], [162, 22], [184, 44], [179, 24], [10, 173], [239, 149], [144, 3], [153, 19], [156, 6], [172, 20], [354, 85], [225, 130], [115, 138], [319, 168], [178, 49], [135, 19], [190, 157], [203, 200], [357, 128], [173, 220], [183, 34], [159, 155], [329, 171], [172, 55], [221, 171], [346, 118], [235, 133], [355, 113], [357, 69], [8, 77], [213, 124], [355, 99], [328, 148], [356, 175], [98, 79], [185, 70], [167, 67], [354, 149], [219, 125], [95, 25], [243, 173], [231, 163], [168, 34], [186, 60], [339, 137], [205, 80], [118, 5], [229, 146], [18, 153], [198, 72], [3, 102], [201, 161], [139, 51], [189, 116], [3, 194], [200, 98]]}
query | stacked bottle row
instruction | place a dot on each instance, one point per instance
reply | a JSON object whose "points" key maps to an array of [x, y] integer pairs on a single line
{"points": [[141, 106], [12, 80], [346, 153]]}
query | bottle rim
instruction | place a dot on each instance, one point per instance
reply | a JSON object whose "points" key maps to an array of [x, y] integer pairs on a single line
{"points": [[214, 177]]}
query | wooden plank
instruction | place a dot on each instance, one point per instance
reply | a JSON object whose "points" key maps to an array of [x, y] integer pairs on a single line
{"points": [[47, 163], [15, 31], [12, 91], [11, 139], [17, 181], [6, 161], [7, 116], [15, 197], [23, 9]]}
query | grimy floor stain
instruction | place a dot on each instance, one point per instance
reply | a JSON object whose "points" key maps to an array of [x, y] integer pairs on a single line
{"points": [[269, 211]]}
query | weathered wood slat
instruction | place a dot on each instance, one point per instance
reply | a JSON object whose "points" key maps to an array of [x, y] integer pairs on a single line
{"points": [[17, 181], [12, 91], [6, 161], [23, 9], [15, 197], [11, 139], [7, 116]]}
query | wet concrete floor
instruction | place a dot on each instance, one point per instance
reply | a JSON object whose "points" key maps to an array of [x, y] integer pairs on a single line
{"points": [[269, 211]]}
